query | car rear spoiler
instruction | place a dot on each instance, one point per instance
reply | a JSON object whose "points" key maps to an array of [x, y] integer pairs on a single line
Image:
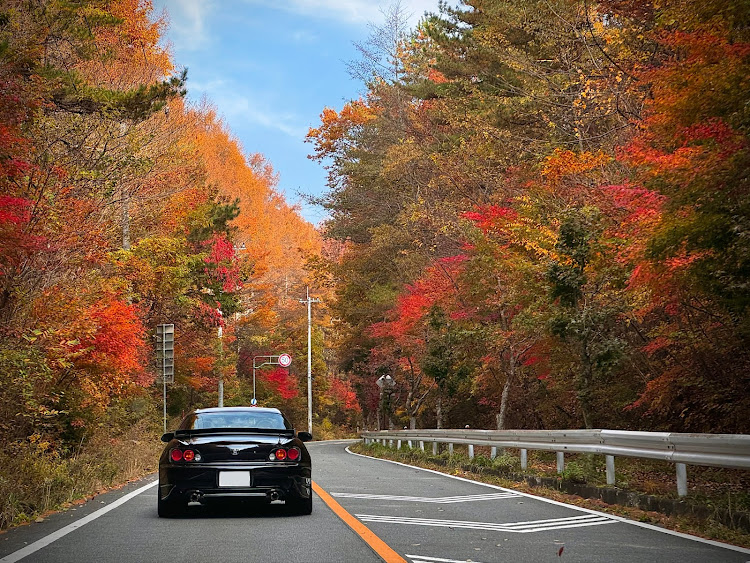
{"points": [[210, 431]]}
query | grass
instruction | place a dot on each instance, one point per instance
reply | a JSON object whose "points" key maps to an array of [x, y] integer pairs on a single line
{"points": [[727, 489], [712, 487], [36, 480]]}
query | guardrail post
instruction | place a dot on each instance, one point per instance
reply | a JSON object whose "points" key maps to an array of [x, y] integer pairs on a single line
{"points": [[610, 469], [434, 448], [390, 443], [471, 451], [493, 452], [398, 447], [560, 462], [524, 459], [682, 487], [450, 449], [409, 444], [421, 445]]}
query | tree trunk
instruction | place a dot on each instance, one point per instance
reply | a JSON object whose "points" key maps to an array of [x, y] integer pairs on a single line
{"points": [[506, 391], [585, 391], [125, 218], [439, 411]]}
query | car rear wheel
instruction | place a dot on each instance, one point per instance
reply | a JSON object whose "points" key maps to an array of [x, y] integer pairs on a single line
{"points": [[300, 505], [167, 508]]}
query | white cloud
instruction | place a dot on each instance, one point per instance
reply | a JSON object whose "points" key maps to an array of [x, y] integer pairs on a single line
{"points": [[188, 22], [303, 36], [237, 107]]}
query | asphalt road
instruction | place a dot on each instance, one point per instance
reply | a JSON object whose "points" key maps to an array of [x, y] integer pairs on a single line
{"points": [[424, 516]]}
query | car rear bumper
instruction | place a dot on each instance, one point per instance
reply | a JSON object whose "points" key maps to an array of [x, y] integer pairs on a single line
{"points": [[200, 482]]}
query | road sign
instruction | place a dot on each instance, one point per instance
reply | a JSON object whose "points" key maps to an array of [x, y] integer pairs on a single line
{"points": [[165, 351], [253, 401], [385, 381], [285, 360]]}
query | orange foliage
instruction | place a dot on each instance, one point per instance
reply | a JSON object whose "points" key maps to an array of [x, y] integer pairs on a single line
{"points": [[134, 56], [564, 163], [117, 345], [335, 126]]}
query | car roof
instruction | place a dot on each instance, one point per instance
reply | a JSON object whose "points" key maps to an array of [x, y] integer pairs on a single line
{"points": [[237, 409]]}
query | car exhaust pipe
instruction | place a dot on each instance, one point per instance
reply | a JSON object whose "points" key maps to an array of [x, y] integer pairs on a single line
{"points": [[274, 495], [196, 496]]}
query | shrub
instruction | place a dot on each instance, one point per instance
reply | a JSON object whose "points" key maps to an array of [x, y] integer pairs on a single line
{"points": [[575, 472]]}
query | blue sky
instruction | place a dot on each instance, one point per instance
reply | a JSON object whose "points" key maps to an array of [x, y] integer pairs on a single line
{"points": [[270, 67]]}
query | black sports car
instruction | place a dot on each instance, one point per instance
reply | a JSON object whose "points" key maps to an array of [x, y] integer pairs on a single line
{"points": [[234, 452]]}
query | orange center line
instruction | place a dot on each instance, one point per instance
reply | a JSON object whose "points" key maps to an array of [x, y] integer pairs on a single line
{"points": [[377, 545]]}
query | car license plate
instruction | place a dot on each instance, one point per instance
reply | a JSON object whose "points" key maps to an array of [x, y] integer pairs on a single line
{"points": [[234, 478]]}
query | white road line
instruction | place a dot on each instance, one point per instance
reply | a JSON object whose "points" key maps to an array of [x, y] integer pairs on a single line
{"points": [[512, 527], [341, 441], [435, 500], [570, 506], [552, 520], [425, 559], [54, 536]]}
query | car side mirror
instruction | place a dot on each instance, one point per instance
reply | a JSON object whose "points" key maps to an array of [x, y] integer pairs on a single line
{"points": [[305, 436], [167, 437]]}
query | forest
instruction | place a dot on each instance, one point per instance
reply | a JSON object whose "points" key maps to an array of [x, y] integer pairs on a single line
{"points": [[540, 211], [537, 218], [123, 207]]}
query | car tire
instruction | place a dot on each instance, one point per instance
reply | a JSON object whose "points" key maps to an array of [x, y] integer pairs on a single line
{"points": [[302, 506], [167, 508]]}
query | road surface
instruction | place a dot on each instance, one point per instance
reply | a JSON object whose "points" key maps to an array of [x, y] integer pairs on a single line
{"points": [[365, 510]]}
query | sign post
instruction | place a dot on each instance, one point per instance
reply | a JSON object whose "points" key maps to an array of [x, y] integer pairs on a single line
{"points": [[165, 359], [385, 383], [283, 360]]}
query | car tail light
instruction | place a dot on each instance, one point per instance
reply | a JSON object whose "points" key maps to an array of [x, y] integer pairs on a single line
{"points": [[187, 455], [280, 454]]}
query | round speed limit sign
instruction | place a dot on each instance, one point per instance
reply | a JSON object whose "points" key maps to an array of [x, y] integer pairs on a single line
{"points": [[285, 360]]}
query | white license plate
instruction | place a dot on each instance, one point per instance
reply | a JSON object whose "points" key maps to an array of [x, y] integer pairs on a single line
{"points": [[234, 478]]}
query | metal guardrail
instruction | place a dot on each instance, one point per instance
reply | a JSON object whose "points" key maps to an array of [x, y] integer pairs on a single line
{"points": [[717, 450]]}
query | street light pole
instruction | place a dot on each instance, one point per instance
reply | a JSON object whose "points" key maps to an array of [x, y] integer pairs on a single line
{"points": [[309, 357]]}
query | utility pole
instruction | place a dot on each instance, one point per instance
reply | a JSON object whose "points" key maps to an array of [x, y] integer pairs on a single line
{"points": [[221, 358], [309, 357]]}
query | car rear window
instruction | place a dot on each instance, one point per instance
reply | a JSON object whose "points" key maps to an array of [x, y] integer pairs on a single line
{"points": [[254, 420]]}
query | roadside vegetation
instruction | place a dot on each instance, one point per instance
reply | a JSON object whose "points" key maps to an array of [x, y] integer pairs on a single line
{"points": [[712, 488], [543, 212], [38, 478], [124, 206]]}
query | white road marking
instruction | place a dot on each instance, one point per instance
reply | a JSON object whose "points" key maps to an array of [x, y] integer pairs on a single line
{"points": [[54, 536], [558, 503], [425, 559], [435, 500], [341, 441], [512, 527]]}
